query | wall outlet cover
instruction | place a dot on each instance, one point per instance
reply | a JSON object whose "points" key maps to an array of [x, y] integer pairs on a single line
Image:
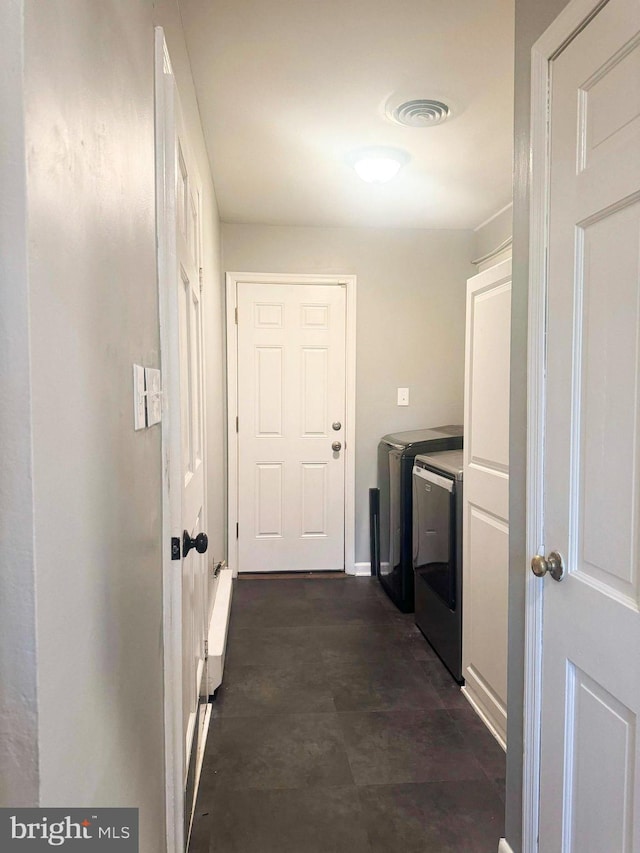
{"points": [[154, 395], [403, 396], [139, 398]]}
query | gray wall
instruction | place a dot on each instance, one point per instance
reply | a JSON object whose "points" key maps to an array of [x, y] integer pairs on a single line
{"points": [[410, 322], [532, 18], [81, 601]]}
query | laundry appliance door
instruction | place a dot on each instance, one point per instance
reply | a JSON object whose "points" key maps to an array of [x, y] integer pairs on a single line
{"points": [[433, 544]]}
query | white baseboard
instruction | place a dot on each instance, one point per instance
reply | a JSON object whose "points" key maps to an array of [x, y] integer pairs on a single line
{"points": [[503, 847], [218, 628], [360, 570], [486, 704], [202, 742]]}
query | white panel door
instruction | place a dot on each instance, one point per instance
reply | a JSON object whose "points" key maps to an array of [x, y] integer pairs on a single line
{"points": [[185, 383], [485, 528], [590, 784], [291, 416]]}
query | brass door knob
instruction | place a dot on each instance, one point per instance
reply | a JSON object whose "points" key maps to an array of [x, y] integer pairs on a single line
{"points": [[553, 564]]}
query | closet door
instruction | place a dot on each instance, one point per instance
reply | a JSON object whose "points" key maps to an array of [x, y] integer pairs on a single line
{"points": [[486, 495]]}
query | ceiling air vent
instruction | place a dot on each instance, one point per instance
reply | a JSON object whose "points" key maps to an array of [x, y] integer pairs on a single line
{"points": [[420, 112]]}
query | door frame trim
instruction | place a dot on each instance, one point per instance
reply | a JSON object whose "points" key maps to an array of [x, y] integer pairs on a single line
{"points": [[556, 37], [350, 283]]}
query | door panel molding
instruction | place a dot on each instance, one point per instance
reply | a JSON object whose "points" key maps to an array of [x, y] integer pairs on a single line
{"points": [[313, 316], [574, 17]]}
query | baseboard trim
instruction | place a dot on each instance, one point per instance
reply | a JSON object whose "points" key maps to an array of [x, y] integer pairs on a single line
{"points": [[486, 703], [360, 570], [484, 716], [202, 742], [218, 628], [504, 847]]}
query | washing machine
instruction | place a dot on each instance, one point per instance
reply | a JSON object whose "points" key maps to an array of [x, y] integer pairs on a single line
{"points": [[390, 513]]}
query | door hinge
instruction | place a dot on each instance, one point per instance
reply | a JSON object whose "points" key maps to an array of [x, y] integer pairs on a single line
{"points": [[236, 315], [237, 530], [201, 277], [237, 424], [175, 547], [206, 648]]}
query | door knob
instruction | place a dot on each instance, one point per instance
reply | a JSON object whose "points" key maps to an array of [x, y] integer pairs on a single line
{"points": [[336, 446], [554, 564], [336, 425], [200, 543]]}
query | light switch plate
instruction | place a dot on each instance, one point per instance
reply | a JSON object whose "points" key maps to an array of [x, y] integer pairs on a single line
{"points": [[403, 396], [139, 397], [154, 395]]}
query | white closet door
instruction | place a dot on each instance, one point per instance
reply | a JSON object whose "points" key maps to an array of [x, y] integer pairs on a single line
{"points": [[486, 495]]}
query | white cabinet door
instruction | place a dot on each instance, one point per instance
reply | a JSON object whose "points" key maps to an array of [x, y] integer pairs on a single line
{"points": [[291, 413], [590, 768], [485, 558]]}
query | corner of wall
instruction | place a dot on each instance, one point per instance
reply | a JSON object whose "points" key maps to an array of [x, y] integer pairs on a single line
{"points": [[19, 770]]}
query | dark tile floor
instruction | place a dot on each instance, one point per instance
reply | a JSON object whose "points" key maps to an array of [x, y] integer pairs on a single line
{"points": [[338, 730]]}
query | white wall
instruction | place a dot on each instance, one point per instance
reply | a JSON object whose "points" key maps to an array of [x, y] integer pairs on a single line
{"points": [[90, 143], [410, 322], [492, 233], [81, 309]]}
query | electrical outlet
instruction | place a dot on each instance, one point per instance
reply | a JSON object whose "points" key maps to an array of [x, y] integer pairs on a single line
{"points": [[403, 396]]}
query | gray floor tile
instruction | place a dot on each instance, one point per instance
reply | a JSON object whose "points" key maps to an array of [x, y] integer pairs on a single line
{"points": [[439, 677], [300, 688], [277, 589], [370, 642], [272, 647], [267, 611], [282, 751], [406, 746], [380, 685], [485, 747], [346, 588], [433, 817], [327, 820], [403, 764]]}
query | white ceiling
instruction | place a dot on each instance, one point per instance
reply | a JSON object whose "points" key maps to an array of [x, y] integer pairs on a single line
{"points": [[288, 89]]}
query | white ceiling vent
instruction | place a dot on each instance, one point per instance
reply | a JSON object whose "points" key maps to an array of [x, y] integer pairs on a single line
{"points": [[418, 112]]}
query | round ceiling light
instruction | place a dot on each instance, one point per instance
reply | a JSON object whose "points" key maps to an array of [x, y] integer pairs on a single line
{"points": [[418, 112], [378, 165]]}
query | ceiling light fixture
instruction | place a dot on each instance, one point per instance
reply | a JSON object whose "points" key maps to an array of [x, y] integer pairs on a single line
{"points": [[378, 165]]}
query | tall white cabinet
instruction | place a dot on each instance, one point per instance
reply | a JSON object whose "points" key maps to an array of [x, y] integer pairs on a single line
{"points": [[486, 495]]}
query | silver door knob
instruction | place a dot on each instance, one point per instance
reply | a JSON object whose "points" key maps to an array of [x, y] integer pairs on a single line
{"points": [[336, 446], [336, 425], [554, 564]]}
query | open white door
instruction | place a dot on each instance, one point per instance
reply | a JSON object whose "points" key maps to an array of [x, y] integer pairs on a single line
{"points": [[184, 507], [589, 476]]}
